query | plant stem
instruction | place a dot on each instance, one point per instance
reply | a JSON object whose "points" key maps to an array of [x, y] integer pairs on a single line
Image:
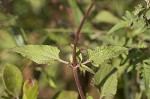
{"points": [[78, 32], [76, 77], [75, 64]]}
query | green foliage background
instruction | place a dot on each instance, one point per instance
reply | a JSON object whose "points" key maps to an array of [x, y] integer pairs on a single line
{"points": [[54, 22]]}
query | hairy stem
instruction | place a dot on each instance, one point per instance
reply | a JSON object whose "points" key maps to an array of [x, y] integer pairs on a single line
{"points": [[78, 32], [75, 64], [76, 77]]}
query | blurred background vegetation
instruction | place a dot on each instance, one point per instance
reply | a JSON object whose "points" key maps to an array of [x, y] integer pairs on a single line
{"points": [[54, 22]]}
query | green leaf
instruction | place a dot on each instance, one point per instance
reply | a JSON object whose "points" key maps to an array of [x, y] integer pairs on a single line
{"points": [[146, 77], [144, 69], [52, 82], [102, 53], [77, 14], [88, 96], [103, 17], [129, 16], [68, 95], [142, 44], [106, 80], [119, 25], [12, 79], [41, 54], [78, 55], [87, 69], [138, 9], [6, 40], [30, 89], [36, 5], [110, 86]]}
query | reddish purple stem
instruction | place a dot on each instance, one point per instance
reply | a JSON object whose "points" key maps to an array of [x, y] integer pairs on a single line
{"points": [[75, 63]]}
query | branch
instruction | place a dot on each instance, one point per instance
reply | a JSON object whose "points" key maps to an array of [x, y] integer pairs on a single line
{"points": [[78, 32], [76, 77], [75, 64]]}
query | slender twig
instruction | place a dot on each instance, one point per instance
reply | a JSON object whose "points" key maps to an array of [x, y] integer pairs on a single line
{"points": [[87, 61], [62, 61], [75, 64]]}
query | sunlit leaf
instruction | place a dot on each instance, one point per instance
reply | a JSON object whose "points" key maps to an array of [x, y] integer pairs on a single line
{"points": [[102, 53], [41, 54], [142, 44], [119, 25]]}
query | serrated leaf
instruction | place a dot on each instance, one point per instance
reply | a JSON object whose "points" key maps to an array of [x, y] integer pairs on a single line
{"points": [[30, 89], [41, 54], [145, 73], [12, 79], [110, 86], [102, 53], [87, 69], [101, 73], [129, 15], [106, 80], [142, 44], [138, 9], [119, 25], [67, 95]]}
